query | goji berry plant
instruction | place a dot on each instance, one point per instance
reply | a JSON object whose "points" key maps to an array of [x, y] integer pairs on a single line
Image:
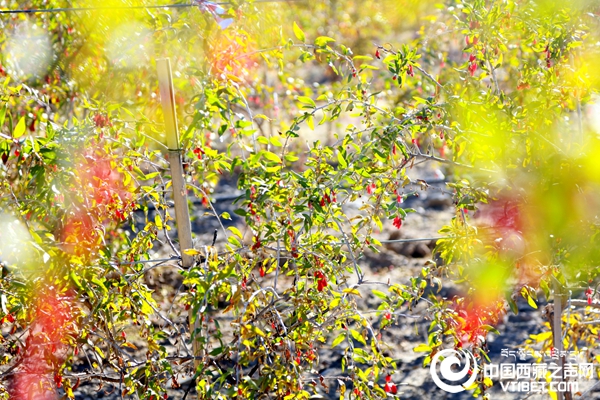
{"points": [[311, 122]]}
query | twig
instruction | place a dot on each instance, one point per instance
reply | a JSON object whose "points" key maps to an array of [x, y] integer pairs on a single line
{"points": [[358, 274], [584, 303], [583, 395], [444, 160], [431, 78], [212, 208]]}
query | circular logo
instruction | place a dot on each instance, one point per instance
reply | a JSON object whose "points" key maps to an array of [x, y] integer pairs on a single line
{"points": [[450, 358]]}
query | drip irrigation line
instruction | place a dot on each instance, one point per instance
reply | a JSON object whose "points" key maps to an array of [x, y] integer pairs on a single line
{"points": [[418, 239], [100, 8], [75, 9]]}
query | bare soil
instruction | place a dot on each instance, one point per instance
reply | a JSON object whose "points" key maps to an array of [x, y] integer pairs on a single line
{"points": [[396, 262]]}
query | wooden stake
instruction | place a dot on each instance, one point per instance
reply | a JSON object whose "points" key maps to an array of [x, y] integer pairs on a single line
{"points": [[182, 216], [557, 335]]}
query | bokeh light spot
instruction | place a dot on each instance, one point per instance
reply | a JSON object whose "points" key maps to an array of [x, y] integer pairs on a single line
{"points": [[28, 50]]}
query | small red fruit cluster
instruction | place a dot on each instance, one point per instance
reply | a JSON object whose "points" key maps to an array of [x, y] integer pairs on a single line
{"points": [[472, 64], [327, 199], [390, 387], [589, 293], [8, 317], [371, 188], [198, 152], [251, 204], [548, 60], [321, 281], [101, 121], [257, 244], [470, 42], [398, 222]]}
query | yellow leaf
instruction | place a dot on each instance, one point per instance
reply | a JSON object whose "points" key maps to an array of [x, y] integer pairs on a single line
{"points": [[233, 78], [158, 221], [191, 252], [20, 128], [130, 345], [298, 32], [422, 348], [235, 231], [262, 116], [542, 336], [334, 303], [100, 353], [338, 339], [256, 330], [353, 291], [272, 157]]}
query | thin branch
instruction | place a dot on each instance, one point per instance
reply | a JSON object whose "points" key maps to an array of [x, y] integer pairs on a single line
{"points": [[431, 78], [358, 274], [444, 160], [584, 394], [212, 208], [584, 303]]}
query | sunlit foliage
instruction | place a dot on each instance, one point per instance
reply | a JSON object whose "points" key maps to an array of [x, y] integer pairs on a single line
{"points": [[501, 93]]}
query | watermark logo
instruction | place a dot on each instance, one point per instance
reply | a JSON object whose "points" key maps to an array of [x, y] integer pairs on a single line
{"points": [[452, 360], [456, 370], [561, 373]]}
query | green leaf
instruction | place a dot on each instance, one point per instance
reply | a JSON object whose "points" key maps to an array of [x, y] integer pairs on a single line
{"points": [[75, 280], [20, 128], [323, 40], [3, 114], [426, 361], [490, 328], [275, 141], [307, 100], [513, 306], [100, 284], [298, 32], [234, 241], [271, 157], [339, 339], [235, 231], [531, 302], [342, 160], [357, 336], [139, 173], [310, 122], [240, 212]]}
